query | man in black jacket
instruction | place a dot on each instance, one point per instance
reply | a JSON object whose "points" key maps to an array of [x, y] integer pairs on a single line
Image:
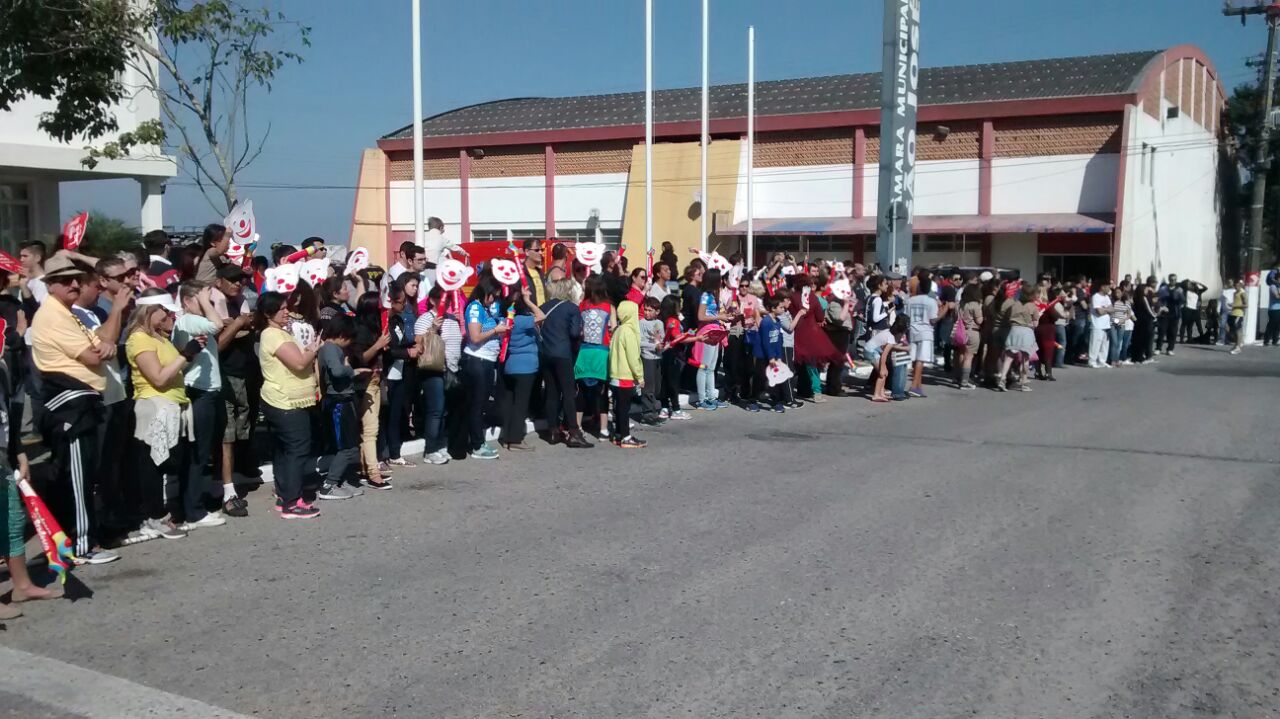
{"points": [[71, 360]]}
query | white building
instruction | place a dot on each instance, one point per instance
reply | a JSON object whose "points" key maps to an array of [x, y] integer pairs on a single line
{"points": [[32, 165]]}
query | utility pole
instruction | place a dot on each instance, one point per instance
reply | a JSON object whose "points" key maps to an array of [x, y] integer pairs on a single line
{"points": [[1262, 162]]}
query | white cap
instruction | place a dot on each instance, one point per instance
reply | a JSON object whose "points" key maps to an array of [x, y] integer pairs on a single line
{"points": [[986, 275], [166, 301]]}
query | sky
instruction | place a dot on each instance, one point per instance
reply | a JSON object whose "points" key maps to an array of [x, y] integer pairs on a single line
{"points": [[355, 83]]}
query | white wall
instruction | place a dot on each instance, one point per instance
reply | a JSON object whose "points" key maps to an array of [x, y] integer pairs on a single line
{"points": [[801, 191], [1016, 252], [517, 203], [510, 202], [943, 187], [441, 198], [1170, 222], [578, 195], [1059, 183]]}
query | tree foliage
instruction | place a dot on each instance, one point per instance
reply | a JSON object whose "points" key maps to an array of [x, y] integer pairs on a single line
{"points": [[203, 58], [107, 235], [1241, 121], [73, 52]]}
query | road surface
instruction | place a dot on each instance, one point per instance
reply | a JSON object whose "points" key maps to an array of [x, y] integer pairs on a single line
{"points": [[1105, 546]]}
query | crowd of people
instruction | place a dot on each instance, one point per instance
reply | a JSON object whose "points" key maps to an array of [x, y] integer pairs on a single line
{"points": [[137, 382]]}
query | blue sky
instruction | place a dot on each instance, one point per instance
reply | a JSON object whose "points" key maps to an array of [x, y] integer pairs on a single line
{"points": [[355, 84]]}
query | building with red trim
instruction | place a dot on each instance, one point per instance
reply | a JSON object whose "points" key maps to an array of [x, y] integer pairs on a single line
{"points": [[1098, 165]]}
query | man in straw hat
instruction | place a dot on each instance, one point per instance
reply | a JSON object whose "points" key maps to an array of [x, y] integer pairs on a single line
{"points": [[72, 361]]}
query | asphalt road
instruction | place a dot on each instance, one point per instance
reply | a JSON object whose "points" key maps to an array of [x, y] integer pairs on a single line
{"points": [[1105, 546]]}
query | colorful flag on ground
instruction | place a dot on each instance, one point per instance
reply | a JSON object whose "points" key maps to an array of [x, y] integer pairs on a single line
{"points": [[56, 543]]}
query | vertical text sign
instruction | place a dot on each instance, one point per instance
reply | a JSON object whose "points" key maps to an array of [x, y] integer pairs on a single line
{"points": [[899, 98]]}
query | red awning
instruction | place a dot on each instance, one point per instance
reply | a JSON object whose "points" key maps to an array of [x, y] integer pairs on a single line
{"points": [[932, 224]]}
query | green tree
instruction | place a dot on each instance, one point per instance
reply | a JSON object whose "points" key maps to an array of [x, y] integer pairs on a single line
{"points": [[1241, 122], [71, 51], [203, 59], [107, 235]]}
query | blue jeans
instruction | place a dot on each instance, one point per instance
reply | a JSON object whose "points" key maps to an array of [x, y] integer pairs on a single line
{"points": [[707, 373], [898, 380], [1060, 335], [1126, 336], [1113, 338], [432, 384]]}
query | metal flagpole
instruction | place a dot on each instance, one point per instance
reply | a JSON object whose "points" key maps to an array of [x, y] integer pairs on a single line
{"points": [[751, 145], [648, 126], [704, 201], [418, 211]]}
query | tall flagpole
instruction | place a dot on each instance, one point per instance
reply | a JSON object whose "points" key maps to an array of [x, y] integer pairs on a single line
{"points": [[705, 201], [418, 230], [751, 145], [648, 126]]}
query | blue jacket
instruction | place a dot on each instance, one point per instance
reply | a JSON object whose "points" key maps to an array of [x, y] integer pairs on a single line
{"points": [[767, 343], [561, 330]]}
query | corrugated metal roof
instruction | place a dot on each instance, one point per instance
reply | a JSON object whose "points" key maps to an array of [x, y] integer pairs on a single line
{"points": [[1026, 80]]}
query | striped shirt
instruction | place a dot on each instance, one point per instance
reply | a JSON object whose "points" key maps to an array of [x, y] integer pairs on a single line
{"points": [[1119, 313], [450, 332]]}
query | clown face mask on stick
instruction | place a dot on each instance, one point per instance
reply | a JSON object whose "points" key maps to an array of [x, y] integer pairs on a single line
{"points": [[504, 271]]}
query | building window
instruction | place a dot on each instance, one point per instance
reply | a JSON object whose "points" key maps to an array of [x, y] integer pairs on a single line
{"points": [[612, 238], [522, 235], [766, 246], [488, 235], [15, 216]]}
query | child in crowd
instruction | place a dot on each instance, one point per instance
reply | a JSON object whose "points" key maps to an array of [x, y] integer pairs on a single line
{"points": [[767, 349], [922, 308], [786, 322], [591, 369], [338, 408], [675, 343], [626, 373], [879, 352], [651, 344]]}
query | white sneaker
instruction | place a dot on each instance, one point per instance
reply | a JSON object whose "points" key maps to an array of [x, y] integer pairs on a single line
{"points": [[1235, 351], [437, 457], [209, 520]]}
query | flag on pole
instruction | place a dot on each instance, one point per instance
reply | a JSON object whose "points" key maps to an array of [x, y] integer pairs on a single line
{"points": [[9, 263], [55, 542], [73, 231]]}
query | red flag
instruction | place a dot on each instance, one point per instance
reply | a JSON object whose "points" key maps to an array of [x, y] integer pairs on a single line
{"points": [[73, 231], [56, 544], [9, 263]]}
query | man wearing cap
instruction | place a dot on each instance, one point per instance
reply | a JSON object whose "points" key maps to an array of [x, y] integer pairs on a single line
{"points": [[71, 360], [238, 365]]}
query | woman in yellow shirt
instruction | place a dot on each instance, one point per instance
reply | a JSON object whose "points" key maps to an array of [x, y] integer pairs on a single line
{"points": [[289, 392], [164, 417]]}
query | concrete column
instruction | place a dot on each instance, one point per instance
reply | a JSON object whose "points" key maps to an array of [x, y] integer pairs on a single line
{"points": [[152, 203]]}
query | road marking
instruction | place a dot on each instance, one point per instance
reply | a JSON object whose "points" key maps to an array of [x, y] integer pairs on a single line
{"points": [[94, 695]]}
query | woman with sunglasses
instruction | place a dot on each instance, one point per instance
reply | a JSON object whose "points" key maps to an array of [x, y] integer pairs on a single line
{"points": [[163, 412], [639, 285]]}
